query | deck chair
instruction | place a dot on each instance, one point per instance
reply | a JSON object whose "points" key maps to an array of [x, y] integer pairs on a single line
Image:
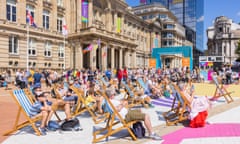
{"points": [[32, 98], [141, 83], [180, 112], [133, 98], [83, 107], [113, 120], [221, 91], [24, 104], [105, 82]]}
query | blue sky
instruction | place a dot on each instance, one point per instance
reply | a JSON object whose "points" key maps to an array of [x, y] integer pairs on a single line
{"points": [[212, 9]]}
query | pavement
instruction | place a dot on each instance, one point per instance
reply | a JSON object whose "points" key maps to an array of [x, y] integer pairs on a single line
{"points": [[223, 120]]}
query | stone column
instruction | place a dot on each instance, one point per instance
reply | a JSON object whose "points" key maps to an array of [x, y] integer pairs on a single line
{"points": [[79, 14], [93, 59], [90, 13], [103, 58], [112, 58], [120, 58], [134, 56], [79, 56], [115, 22]]}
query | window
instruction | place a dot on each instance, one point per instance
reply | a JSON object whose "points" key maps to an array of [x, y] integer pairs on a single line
{"points": [[45, 19], [59, 23], [11, 10], [13, 45], [61, 51], [32, 47], [48, 49], [60, 3]]}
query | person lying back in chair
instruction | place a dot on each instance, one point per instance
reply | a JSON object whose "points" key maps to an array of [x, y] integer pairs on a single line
{"points": [[131, 115], [42, 107]]}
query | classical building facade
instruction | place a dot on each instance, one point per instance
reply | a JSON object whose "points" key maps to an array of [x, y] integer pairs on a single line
{"points": [[223, 38], [101, 34]]}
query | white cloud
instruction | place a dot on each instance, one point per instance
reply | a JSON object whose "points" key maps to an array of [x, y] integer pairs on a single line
{"points": [[200, 19], [238, 13]]}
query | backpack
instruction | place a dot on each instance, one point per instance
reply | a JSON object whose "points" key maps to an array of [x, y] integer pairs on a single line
{"points": [[71, 125], [138, 130], [53, 125]]}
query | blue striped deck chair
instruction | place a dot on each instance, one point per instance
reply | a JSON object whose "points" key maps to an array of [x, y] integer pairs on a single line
{"points": [[114, 119], [141, 83], [24, 104], [105, 82], [221, 91], [180, 112]]}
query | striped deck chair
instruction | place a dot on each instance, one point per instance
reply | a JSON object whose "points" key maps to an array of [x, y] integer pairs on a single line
{"points": [[132, 98], [141, 83], [81, 107], [113, 120], [221, 91], [24, 104], [180, 112]]}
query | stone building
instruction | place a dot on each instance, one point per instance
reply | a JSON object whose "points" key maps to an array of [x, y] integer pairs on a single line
{"points": [[117, 37], [223, 38]]}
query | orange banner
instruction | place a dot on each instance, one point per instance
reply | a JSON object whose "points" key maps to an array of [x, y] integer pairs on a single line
{"points": [[152, 63], [186, 62]]}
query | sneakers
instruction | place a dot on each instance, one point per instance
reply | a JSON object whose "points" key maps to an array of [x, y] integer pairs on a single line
{"points": [[42, 131], [155, 136]]}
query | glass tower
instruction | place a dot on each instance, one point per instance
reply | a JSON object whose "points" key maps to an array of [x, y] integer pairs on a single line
{"points": [[190, 14]]}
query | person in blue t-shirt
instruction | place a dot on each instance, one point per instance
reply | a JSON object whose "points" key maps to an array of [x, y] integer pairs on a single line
{"points": [[42, 107], [37, 77], [108, 74]]}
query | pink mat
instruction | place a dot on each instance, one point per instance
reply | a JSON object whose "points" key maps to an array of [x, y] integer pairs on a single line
{"points": [[211, 130]]}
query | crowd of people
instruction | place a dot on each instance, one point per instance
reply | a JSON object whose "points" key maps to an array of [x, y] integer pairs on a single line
{"points": [[157, 84]]}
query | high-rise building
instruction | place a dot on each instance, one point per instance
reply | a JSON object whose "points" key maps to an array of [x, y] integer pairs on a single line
{"points": [[190, 14]]}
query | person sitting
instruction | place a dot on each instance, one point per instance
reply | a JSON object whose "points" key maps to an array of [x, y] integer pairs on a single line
{"points": [[131, 115], [198, 107], [42, 107]]}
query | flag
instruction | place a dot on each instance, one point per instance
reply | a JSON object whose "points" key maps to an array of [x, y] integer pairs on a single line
{"points": [[95, 47], [64, 28], [99, 42], [30, 19], [87, 49], [105, 51]]}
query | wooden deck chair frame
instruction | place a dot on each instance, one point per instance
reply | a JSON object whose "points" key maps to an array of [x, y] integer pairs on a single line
{"points": [[133, 98], [114, 114], [84, 107], [221, 91], [179, 113], [24, 103]]}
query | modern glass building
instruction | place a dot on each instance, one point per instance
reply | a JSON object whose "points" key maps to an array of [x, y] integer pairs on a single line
{"points": [[190, 15]]}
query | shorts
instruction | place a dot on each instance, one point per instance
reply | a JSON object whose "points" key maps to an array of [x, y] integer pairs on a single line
{"points": [[134, 115]]}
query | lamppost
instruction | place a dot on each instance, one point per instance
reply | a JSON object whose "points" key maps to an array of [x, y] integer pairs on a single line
{"points": [[230, 50]]}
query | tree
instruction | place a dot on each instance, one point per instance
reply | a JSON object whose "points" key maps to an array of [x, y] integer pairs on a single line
{"points": [[237, 51]]}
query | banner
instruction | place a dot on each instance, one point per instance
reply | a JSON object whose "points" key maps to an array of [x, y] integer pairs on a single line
{"points": [[84, 11], [152, 63], [186, 62], [119, 24]]}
